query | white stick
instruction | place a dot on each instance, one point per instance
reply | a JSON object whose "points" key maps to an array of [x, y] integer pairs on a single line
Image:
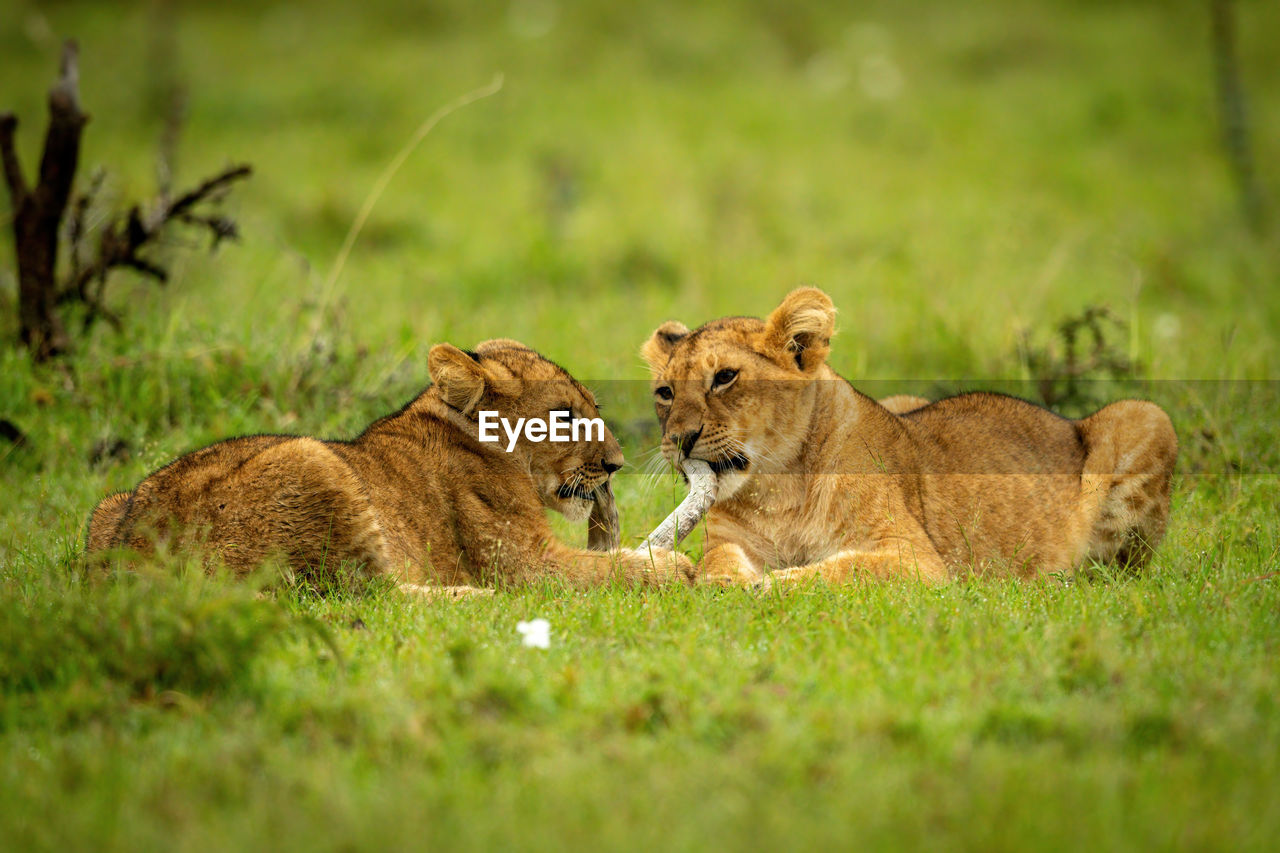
{"points": [[702, 493]]}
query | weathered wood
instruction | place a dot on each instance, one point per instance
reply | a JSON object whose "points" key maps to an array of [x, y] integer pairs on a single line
{"points": [[685, 517], [38, 210], [603, 530]]}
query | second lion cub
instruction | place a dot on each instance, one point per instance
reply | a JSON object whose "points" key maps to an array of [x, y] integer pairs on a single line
{"points": [[419, 496], [818, 480]]}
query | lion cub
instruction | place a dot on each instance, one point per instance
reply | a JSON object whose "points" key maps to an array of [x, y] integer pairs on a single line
{"points": [[818, 480], [417, 495]]}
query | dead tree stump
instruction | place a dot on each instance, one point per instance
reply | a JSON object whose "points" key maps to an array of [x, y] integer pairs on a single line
{"points": [[38, 211]]}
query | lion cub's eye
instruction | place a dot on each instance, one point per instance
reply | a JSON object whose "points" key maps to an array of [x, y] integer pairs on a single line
{"points": [[663, 393], [723, 378]]}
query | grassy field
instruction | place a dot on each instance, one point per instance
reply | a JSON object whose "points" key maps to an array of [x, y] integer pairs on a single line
{"points": [[960, 180]]}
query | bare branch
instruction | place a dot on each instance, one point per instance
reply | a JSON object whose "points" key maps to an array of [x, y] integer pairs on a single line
{"points": [[123, 241], [220, 227], [68, 85], [603, 531], [12, 168], [685, 517], [145, 267], [96, 310], [62, 140], [210, 187], [38, 211]]}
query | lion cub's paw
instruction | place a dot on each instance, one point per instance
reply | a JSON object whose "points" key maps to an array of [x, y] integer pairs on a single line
{"points": [[658, 565], [728, 565], [447, 593]]}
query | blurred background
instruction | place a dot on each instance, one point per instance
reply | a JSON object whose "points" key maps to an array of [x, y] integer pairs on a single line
{"points": [[1029, 196], [962, 178]]}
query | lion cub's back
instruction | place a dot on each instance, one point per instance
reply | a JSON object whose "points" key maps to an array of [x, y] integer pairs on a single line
{"points": [[986, 433], [246, 498]]}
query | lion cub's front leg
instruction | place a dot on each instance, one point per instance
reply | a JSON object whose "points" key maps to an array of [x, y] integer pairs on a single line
{"points": [[729, 565], [592, 568]]}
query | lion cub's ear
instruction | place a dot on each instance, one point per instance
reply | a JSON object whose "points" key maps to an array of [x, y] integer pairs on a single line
{"points": [[460, 376], [799, 330], [657, 350]]}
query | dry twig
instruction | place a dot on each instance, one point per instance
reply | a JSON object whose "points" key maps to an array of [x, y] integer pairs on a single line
{"points": [[122, 240]]}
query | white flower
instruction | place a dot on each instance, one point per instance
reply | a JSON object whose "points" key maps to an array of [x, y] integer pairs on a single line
{"points": [[537, 633]]}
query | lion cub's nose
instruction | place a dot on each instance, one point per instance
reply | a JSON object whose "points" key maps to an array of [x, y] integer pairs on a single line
{"points": [[610, 467], [685, 441]]}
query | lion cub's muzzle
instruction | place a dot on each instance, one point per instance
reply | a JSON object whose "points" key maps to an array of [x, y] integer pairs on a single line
{"points": [[580, 490], [585, 483], [678, 447], [734, 461]]}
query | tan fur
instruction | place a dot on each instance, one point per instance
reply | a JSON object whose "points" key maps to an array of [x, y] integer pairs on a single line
{"points": [[416, 496], [818, 480], [900, 404]]}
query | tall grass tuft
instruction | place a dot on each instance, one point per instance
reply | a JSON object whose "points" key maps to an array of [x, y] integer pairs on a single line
{"points": [[72, 650]]}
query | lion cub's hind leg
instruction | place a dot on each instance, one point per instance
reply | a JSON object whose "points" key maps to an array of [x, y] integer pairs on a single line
{"points": [[247, 503], [889, 561], [104, 524], [300, 500], [905, 557], [1130, 451]]}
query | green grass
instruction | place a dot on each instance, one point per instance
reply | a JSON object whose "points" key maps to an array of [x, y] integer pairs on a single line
{"points": [[645, 163]]}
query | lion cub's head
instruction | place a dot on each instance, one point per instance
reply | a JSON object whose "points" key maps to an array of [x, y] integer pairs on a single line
{"points": [[512, 382], [738, 391]]}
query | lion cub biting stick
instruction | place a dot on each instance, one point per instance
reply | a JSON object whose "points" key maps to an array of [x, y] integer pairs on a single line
{"points": [[417, 496], [817, 480]]}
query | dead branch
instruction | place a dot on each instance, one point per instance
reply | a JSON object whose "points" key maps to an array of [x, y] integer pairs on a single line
{"points": [[123, 240], [38, 214], [685, 517], [38, 211], [211, 188], [12, 169]]}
